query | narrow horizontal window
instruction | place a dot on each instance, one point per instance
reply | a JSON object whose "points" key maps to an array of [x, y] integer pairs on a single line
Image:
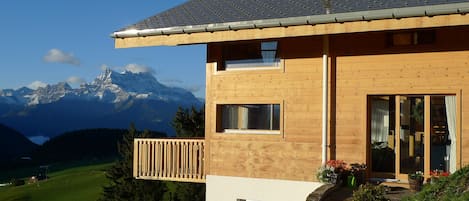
{"points": [[249, 118], [250, 55], [412, 38]]}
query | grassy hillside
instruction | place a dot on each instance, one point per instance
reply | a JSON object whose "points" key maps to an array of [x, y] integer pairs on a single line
{"points": [[77, 148], [81, 183]]}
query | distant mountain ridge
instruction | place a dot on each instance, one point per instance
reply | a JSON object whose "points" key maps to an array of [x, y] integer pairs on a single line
{"points": [[112, 100], [109, 87]]}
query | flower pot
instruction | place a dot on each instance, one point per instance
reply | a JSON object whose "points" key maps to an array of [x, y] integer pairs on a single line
{"points": [[333, 178], [433, 180], [351, 181], [416, 184]]}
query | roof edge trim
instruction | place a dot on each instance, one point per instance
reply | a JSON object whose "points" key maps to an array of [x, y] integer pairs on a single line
{"points": [[396, 13]]}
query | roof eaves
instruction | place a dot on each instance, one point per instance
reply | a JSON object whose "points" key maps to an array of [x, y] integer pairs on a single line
{"points": [[396, 13]]}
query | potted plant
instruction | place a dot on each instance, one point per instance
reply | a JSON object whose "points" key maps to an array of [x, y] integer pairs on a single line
{"points": [[416, 181], [331, 171], [325, 173], [357, 174]]}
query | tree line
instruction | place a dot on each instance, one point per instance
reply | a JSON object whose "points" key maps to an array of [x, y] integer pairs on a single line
{"points": [[123, 187]]}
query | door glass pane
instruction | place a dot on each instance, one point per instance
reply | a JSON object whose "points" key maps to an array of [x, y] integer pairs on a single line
{"points": [[382, 125], [411, 134], [443, 133]]}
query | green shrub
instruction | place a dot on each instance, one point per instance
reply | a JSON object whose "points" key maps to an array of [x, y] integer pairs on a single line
{"points": [[453, 187], [369, 192]]}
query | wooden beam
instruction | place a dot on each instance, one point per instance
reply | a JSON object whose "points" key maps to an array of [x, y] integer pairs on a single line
{"points": [[398, 136], [427, 136], [136, 159], [294, 31]]}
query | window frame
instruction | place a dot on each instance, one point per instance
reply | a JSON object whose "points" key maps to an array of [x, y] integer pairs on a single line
{"points": [[415, 92], [411, 38], [248, 132], [277, 64]]}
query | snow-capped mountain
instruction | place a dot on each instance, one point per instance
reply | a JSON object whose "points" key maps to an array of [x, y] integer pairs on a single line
{"points": [[112, 100], [119, 87], [109, 87], [18, 96]]}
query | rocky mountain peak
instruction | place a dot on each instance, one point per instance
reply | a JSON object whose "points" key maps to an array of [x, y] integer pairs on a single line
{"points": [[110, 87]]}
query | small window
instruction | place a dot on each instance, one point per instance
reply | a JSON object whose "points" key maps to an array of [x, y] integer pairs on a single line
{"points": [[249, 118], [412, 38], [250, 55]]}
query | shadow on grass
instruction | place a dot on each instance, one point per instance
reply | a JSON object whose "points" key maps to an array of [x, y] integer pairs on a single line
{"points": [[33, 169], [22, 198]]}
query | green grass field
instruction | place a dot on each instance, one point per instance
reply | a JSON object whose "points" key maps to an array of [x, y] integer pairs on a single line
{"points": [[76, 184]]}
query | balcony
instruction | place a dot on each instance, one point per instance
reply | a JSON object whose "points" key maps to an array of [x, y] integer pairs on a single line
{"points": [[169, 159]]}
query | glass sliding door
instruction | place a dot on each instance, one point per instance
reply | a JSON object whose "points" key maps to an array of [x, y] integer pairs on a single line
{"points": [[443, 134], [382, 134], [411, 134]]}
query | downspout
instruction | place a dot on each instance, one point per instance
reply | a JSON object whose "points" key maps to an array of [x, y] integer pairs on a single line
{"points": [[325, 94], [325, 81]]}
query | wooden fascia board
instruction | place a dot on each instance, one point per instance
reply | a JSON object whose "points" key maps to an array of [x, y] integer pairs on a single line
{"points": [[294, 31]]}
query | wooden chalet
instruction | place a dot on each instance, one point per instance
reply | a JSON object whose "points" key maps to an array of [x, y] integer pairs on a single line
{"points": [[291, 84]]}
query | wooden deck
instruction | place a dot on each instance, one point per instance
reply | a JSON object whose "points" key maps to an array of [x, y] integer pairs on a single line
{"points": [[169, 159]]}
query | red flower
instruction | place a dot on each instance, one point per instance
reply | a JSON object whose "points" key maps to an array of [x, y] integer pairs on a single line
{"points": [[439, 173], [337, 164]]}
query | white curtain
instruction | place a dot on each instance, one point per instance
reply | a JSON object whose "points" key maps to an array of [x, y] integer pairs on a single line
{"points": [[243, 117], [450, 103], [379, 121]]}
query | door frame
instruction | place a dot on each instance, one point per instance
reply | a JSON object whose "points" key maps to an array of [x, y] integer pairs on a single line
{"points": [[427, 128], [426, 135]]}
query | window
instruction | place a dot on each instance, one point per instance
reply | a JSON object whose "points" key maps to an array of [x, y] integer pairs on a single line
{"points": [[250, 55], [249, 118], [412, 38]]}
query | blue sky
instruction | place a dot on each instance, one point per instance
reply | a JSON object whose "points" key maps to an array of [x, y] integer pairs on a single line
{"points": [[50, 41]]}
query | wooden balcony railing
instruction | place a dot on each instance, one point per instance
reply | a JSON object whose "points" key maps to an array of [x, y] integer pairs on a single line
{"points": [[169, 159]]}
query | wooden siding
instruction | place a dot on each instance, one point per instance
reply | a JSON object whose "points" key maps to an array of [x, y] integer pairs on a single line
{"points": [[296, 85], [372, 67], [361, 64]]}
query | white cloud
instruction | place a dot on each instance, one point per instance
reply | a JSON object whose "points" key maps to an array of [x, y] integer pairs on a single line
{"points": [[103, 67], [180, 83], [75, 80], [172, 81], [37, 84], [134, 68], [194, 89], [137, 68], [58, 56]]}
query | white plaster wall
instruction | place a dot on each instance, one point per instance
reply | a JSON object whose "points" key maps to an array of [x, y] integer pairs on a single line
{"points": [[223, 188]]}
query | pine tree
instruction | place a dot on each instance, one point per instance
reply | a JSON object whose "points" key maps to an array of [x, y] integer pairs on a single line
{"points": [[188, 123], [123, 186]]}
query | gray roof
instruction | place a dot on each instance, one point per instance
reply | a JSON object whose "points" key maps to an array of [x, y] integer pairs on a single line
{"points": [[215, 15]]}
